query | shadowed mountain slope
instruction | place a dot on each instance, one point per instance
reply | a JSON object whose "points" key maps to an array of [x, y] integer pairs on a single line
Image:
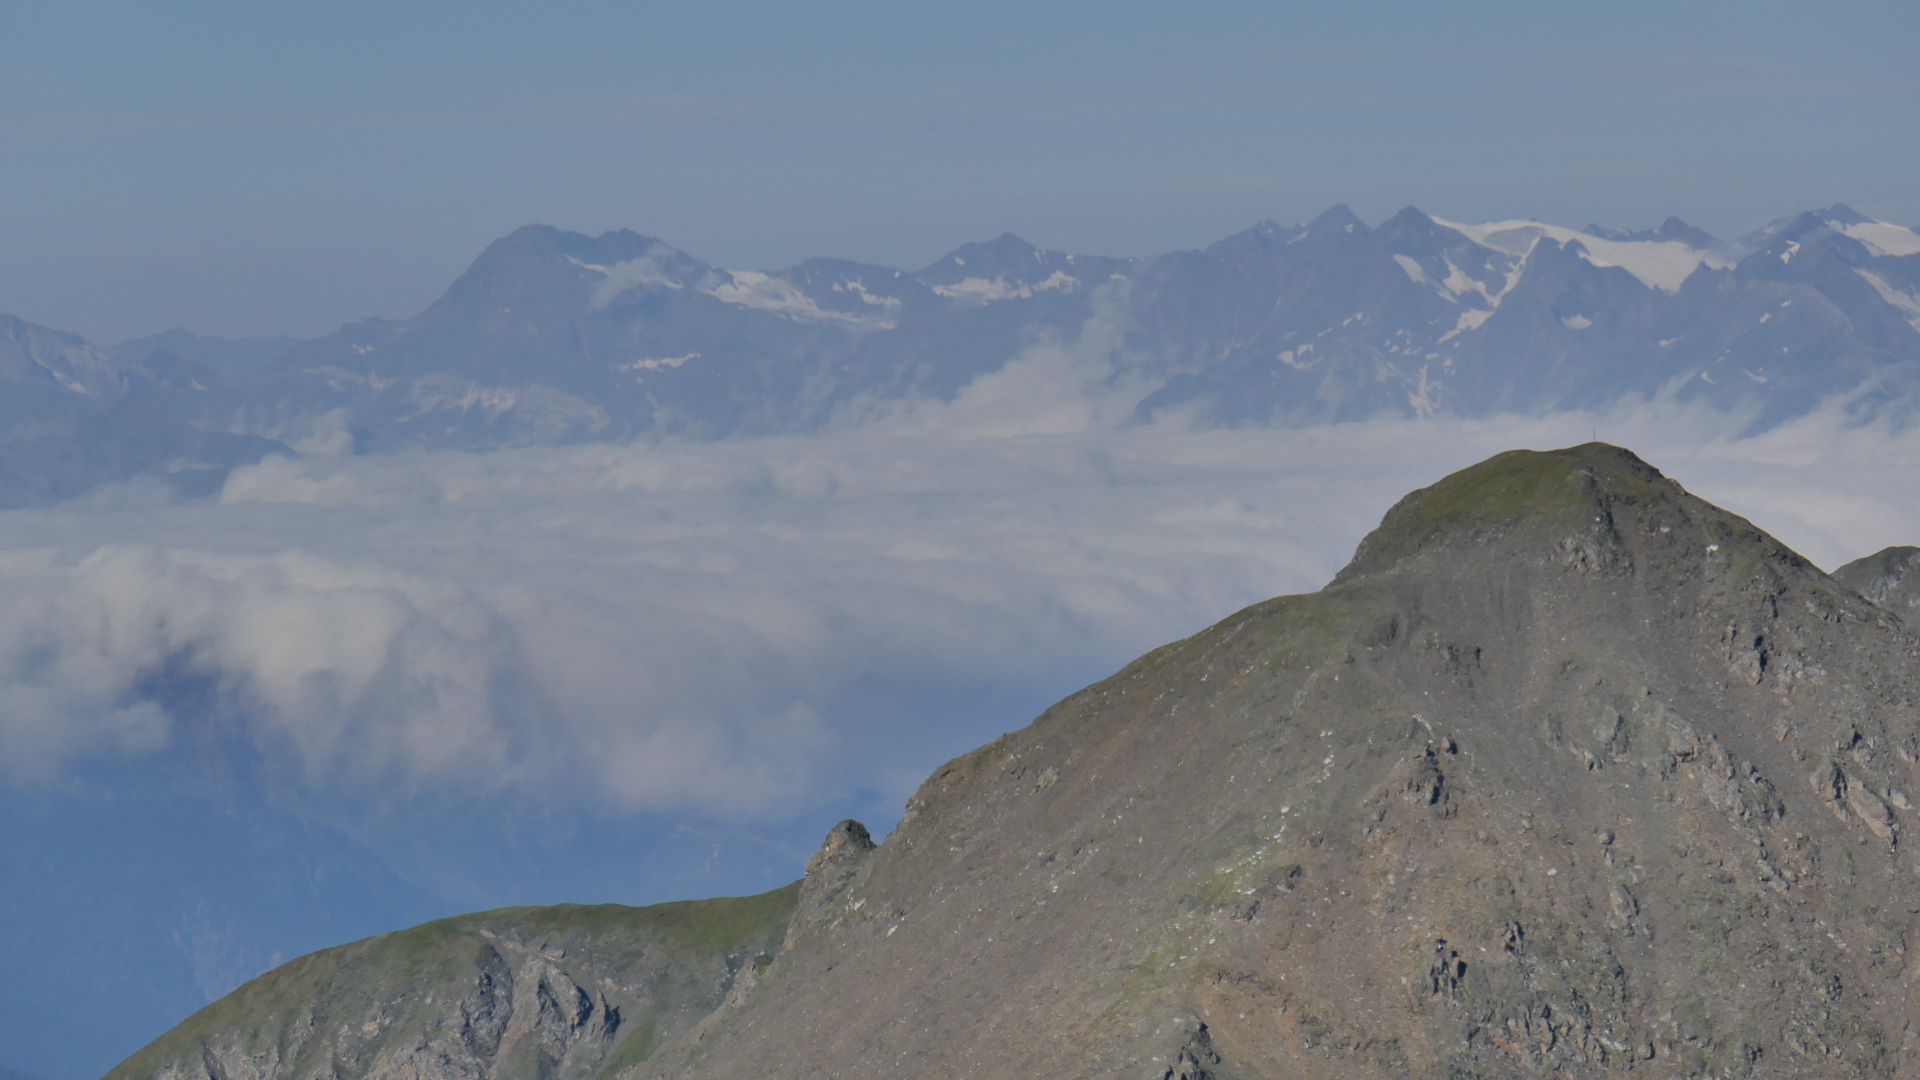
{"points": [[1567, 773], [73, 417], [1887, 578]]}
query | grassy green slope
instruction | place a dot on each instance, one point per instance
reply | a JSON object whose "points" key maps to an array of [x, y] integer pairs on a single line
{"points": [[546, 992]]}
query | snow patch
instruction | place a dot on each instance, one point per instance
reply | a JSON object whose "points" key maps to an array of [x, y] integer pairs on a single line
{"points": [[763, 292], [1423, 398], [1576, 322], [648, 269], [664, 363], [1469, 320], [859, 289], [1414, 272], [339, 378], [1882, 238], [1908, 303], [544, 413], [1658, 264], [987, 290]]}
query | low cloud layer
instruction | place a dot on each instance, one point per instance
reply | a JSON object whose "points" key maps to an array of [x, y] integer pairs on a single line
{"points": [[676, 626]]}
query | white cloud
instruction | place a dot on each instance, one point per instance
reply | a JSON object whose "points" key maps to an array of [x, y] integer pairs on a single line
{"points": [[1052, 387], [672, 625]]}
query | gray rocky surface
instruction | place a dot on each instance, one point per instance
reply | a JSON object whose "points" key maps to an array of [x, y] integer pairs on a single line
{"points": [[1568, 773]]}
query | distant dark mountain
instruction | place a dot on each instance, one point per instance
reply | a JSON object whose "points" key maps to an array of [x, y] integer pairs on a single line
{"points": [[553, 337], [1888, 578], [1671, 229], [73, 416], [1568, 773], [224, 355]]}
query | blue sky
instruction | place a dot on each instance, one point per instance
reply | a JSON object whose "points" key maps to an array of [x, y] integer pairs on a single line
{"points": [[275, 167]]}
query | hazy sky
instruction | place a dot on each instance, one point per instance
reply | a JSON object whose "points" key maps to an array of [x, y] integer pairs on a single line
{"points": [[256, 167]]}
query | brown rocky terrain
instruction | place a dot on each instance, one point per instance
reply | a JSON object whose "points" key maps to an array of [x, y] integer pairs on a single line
{"points": [[1568, 773]]}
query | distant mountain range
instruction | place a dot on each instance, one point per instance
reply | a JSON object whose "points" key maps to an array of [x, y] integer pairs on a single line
{"points": [[553, 337]]}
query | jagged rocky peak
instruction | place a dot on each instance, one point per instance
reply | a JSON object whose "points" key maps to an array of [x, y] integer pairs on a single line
{"points": [[1409, 218], [828, 873], [1887, 577], [1673, 229], [1338, 220], [1568, 773]]}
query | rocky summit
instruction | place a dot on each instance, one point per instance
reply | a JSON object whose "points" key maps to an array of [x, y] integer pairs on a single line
{"points": [[1567, 773]]}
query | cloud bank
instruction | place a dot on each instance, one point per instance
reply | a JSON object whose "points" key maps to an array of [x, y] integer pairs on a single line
{"points": [[679, 626]]}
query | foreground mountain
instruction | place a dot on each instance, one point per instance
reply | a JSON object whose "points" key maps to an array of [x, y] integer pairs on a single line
{"points": [[1567, 773]]}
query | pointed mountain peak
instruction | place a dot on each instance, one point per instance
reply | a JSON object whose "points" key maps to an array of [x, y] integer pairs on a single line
{"points": [[1338, 220], [1787, 229], [545, 241], [1675, 229], [1409, 224], [1007, 258], [1002, 250], [1408, 216], [1264, 234], [1889, 577], [1671, 230]]}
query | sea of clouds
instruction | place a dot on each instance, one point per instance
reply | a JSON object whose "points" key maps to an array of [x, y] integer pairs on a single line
{"points": [[667, 626]]}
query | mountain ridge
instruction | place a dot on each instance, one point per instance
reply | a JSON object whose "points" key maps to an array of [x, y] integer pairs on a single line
{"points": [[1567, 772], [551, 337]]}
